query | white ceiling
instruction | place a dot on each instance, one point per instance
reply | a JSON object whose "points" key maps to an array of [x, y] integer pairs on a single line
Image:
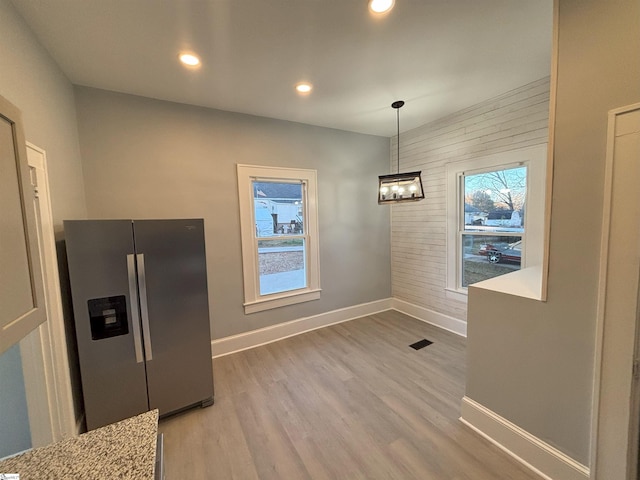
{"points": [[439, 56]]}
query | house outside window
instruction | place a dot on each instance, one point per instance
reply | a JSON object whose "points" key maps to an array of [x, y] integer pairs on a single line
{"points": [[278, 212], [495, 208]]}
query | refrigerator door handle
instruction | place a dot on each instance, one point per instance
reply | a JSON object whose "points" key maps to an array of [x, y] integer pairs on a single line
{"points": [[144, 309], [133, 297]]}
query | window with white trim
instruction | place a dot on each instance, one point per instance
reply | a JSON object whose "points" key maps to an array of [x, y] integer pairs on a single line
{"points": [[495, 212], [279, 230]]}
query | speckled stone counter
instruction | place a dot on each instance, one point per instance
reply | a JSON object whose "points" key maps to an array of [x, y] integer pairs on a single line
{"points": [[126, 449]]}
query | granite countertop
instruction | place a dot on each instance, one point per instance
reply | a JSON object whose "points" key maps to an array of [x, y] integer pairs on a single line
{"points": [[125, 449]]}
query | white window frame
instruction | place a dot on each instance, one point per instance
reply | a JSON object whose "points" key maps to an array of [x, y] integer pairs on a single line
{"points": [[534, 158], [253, 300]]}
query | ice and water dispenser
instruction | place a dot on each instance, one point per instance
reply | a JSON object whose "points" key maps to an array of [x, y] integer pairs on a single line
{"points": [[108, 317]]}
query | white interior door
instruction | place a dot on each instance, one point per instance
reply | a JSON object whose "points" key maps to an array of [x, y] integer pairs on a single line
{"points": [[615, 439], [44, 351]]}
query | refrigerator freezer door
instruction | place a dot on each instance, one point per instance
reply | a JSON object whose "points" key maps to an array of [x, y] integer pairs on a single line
{"points": [[113, 382], [179, 373]]}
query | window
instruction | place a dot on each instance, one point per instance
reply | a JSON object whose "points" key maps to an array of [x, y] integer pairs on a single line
{"points": [[491, 222], [279, 230], [495, 217]]}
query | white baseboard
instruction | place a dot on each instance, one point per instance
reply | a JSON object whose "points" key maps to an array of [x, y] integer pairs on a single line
{"points": [[441, 320], [262, 336], [537, 455]]}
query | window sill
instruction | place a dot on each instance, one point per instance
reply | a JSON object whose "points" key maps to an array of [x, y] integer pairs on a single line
{"points": [[526, 283], [281, 301]]}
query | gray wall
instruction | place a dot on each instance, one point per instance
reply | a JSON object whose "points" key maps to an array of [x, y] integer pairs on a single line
{"points": [[14, 418], [532, 362], [145, 158], [31, 80]]}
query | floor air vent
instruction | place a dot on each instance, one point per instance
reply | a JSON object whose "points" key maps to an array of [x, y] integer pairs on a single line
{"points": [[420, 344]]}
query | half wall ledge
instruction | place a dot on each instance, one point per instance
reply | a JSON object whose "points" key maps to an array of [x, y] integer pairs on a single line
{"points": [[526, 283]]}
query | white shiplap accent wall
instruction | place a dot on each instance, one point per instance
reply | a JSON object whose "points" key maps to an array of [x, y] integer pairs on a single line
{"points": [[514, 120]]}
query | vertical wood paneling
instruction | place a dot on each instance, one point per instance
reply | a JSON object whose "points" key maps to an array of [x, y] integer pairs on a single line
{"points": [[516, 119]]}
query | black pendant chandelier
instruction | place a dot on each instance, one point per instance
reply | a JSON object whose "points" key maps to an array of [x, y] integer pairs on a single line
{"points": [[399, 187]]}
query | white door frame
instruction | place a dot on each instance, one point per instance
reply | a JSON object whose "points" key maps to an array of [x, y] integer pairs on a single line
{"points": [[613, 425], [44, 351]]}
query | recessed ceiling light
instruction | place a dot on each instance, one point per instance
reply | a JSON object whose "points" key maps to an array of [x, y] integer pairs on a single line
{"points": [[304, 87], [380, 6], [189, 59]]}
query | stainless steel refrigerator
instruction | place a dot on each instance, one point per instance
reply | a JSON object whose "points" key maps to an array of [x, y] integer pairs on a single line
{"points": [[141, 313]]}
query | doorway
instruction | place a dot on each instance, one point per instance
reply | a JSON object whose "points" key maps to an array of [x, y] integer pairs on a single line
{"points": [[44, 351]]}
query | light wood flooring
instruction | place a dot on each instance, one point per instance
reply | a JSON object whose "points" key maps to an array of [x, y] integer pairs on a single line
{"points": [[350, 401]]}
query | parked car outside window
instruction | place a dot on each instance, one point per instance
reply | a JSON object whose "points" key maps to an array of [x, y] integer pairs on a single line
{"points": [[497, 253]]}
